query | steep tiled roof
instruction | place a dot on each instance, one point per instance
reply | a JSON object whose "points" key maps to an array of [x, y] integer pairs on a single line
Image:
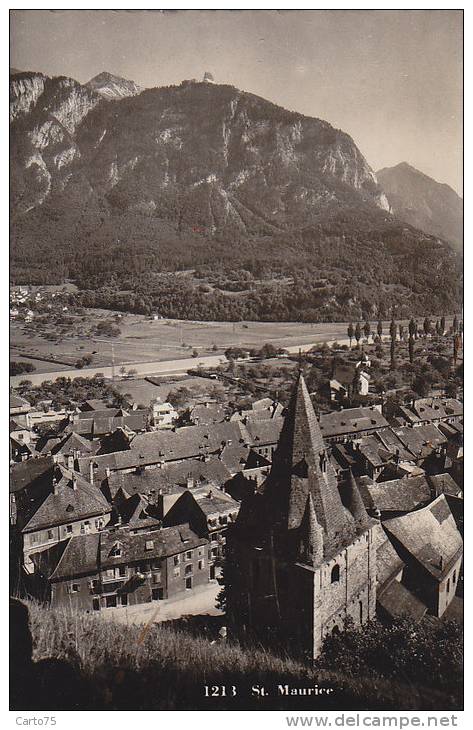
{"points": [[420, 440], [388, 562], [397, 495], [264, 432], [68, 504], [430, 536], [445, 484], [74, 442], [148, 545], [206, 413], [81, 557], [25, 473], [168, 476], [398, 601], [351, 420]]}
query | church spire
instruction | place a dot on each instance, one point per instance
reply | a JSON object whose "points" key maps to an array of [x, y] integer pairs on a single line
{"points": [[301, 467], [312, 536], [355, 503]]}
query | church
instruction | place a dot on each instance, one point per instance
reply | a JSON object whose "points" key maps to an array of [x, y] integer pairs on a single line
{"points": [[301, 557]]}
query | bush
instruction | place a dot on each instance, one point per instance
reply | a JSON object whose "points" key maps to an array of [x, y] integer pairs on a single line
{"points": [[17, 368]]}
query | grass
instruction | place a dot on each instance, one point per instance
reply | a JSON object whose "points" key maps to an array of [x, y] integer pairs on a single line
{"points": [[164, 667]]}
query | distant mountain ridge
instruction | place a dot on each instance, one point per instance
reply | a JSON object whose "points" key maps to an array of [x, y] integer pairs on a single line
{"points": [[104, 186], [423, 202]]}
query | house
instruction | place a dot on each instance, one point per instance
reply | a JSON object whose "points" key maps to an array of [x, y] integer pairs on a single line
{"points": [[20, 409], [65, 505], [96, 424], [119, 567], [351, 423], [300, 561], [208, 513], [163, 415], [203, 414], [432, 410], [348, 380], [431, 547]]}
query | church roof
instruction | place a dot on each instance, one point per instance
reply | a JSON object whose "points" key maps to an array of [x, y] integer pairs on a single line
{"points": [[301, 468]]}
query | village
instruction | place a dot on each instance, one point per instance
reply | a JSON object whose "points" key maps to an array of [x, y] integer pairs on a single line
{"points": [[118, 508]]}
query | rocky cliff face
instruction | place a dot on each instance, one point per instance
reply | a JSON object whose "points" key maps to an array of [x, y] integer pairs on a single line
{"points": [[226, 158], [424, 203]]}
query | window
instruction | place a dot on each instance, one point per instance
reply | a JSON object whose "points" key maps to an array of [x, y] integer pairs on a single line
{"points": [[116, 551], [69, 529], [200, 552], [74, 588], [223, 520], [188, 583], [177, 572], [189, 555], [122, 571], [335, 575], [111, 601], [50, 534], [110, 573], [361, 612], [201, 564], [177, 559], [157, 594], [33, 538], [448, 585], [188, 569], [157, 577], [149, 545], [454, 577], [155, 564], [124, 599]]}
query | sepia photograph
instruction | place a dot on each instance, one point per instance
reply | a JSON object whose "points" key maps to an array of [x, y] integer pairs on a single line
{"points": [[236, 361]]}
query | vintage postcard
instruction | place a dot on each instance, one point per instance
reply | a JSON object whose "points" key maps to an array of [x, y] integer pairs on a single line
{"points": [[236, 361]]}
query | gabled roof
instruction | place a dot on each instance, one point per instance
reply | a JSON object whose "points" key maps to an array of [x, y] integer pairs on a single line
{"points": [[397, 495], [144, 546], [429, 535], [16, 426], [150, 481], [74, 442], [351, 420], [206, 413], [69, 504]]}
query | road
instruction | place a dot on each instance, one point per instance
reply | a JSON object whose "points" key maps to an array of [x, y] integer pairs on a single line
{"points": [[158, 367]]}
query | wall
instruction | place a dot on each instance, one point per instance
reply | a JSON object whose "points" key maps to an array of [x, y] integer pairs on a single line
{"points": [[355, 589]]}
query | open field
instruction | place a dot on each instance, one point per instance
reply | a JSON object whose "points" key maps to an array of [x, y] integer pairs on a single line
{"points": [[145, 340], [156, 346]]}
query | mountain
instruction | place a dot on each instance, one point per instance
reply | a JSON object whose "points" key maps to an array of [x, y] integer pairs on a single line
{"points": [[204, 175], [113, 87], [423, 202]]}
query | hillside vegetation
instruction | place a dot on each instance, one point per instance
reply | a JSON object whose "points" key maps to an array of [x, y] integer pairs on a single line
{"points": [[115, 194], [165, 667]]}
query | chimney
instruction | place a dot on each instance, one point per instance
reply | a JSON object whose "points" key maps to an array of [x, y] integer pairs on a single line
{"points": [[160, 505], [54, 483], [91, 472], [107, 471], [70, 461], [74, 482], [189, 482]]}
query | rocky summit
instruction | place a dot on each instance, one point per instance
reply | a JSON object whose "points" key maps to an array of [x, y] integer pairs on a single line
{"points": [[423, 202]]}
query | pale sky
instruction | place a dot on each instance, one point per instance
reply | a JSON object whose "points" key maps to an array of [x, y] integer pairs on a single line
{"points": [[391, 79]]}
